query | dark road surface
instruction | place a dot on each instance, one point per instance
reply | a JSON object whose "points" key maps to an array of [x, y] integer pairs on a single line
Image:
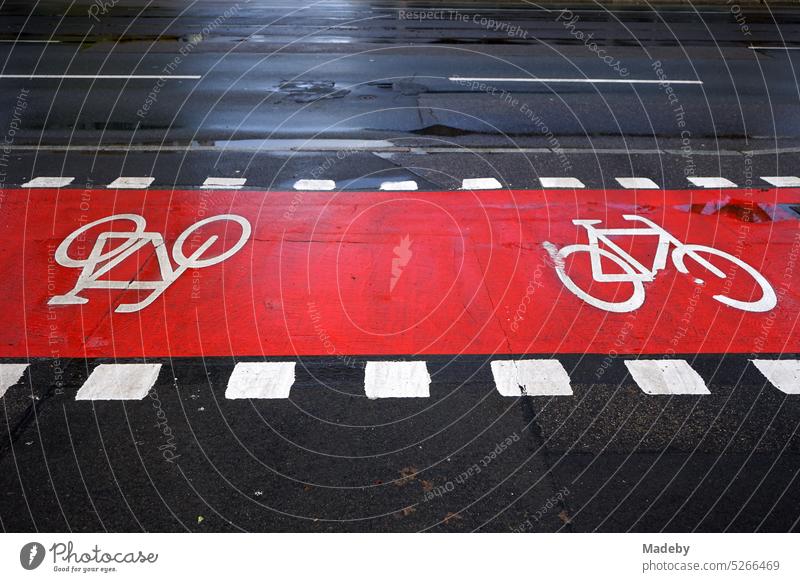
{"points": [[364, 93]]}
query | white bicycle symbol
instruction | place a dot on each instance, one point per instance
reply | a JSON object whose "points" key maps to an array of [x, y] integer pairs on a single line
{"points": [[100, 261], [637, 274]]}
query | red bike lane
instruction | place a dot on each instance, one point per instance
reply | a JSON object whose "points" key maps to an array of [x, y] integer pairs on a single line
{"points": [[390, 273]]}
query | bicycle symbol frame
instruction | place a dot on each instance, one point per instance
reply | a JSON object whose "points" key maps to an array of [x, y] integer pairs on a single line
{"points": [[101, 261], [637, 274]]}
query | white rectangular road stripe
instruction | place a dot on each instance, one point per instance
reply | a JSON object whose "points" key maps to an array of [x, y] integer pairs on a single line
{"points": [[131, 182], [782, 181], [48, 182], [480, 184], [119, 382], [10, 374], [397, 380], [324, 185], [666, 377], [224, 183], [783, 374], [712, 182], [572, 80], [397, 186], [637, 183], [531, 378], [561, 183], [260, 380]]}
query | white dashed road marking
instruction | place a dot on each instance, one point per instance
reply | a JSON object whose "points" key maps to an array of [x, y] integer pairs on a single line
{"points": [[480, 184], [531, 378], [782, 181], [666, 377], [561, 183], [119, 382], [10, 374], [224, 183], [131, 182], [712, 182], [397, 186], [637, 183], [319, 185], [629, 183], [48, 182], [261, 380], [783, 374], [397, 380]]}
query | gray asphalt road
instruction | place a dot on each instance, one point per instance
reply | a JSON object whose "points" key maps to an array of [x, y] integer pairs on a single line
{"points": [[361, 93]]}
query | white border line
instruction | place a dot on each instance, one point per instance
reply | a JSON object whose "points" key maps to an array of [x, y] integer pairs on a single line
{"points": [[574, 80], [31, 77]]}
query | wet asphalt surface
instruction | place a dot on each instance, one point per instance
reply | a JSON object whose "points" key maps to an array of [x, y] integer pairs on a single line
{"points": [[278, 81]]}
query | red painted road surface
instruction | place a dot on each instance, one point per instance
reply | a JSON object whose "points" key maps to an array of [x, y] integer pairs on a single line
{"points": [[387, 273]]}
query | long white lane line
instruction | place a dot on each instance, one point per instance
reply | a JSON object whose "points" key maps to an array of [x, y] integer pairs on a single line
{"points": [[10, 374], [260, 380], [30, 41], [119, 382], [666, 377], [48, 182], [774, 48], [396, 380], [132, 77], [712, 182], [536, 8], [131, 182], [783, 374], [572, 80], [531, 378]]}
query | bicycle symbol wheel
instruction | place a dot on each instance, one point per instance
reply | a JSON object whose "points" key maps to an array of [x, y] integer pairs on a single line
{"points": [[194, 261], [768, 299], [559, 257]]}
